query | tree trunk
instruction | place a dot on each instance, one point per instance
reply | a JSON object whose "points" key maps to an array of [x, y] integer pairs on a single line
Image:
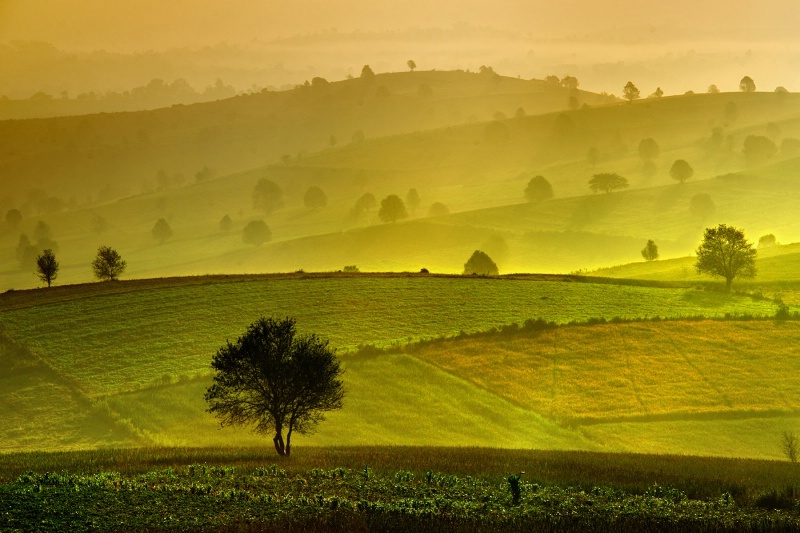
{"points": [[278, 441], [728, 282], [288, 440]]}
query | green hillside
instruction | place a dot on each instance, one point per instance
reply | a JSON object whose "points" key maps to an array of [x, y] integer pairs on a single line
{"points": [[478, 171], [126, 363]]}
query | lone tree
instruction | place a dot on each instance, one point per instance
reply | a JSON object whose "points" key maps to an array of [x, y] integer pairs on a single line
{"points": [[747, 85], [108, 265], [438, 209], [225, 223], [758, 148], [315, 198], [411, 65], [161, 231], [276, 380], [481, 264], [726, 253], [13, 218], [538, 189], [412, 199], [607, 182], [256, 232], [47, 266], [681, 170], [392, 209], [630, 92], [267, 196], [650, 251]]}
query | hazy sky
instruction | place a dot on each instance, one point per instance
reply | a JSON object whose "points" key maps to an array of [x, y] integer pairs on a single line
{"points": [[145, 24], [678, 45]]}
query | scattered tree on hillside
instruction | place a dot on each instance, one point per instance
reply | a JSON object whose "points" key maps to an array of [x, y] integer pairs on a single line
{"points": [[13, 218], [108, 265], [569, 82], [790, 445], [538, 189], [275, 380], [713, 89], [681, 170], [226, 224], [481, 264], [650, 251], [747, 85], [758, 148], [256, 232], [365, 203], [161, 231], [267, 196], [47, 266], [438, 209], [649, 149], [658, 93], [412, 200], [724, 252], [366, 72], [767, 241], [607, 182], [315, 198], [701, 205], [411, 65], [630, 92], [392, 209], [553, 80]]}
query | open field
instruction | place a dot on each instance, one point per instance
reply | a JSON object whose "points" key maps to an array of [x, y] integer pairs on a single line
{"points": [[364, 489], [145, 347]]}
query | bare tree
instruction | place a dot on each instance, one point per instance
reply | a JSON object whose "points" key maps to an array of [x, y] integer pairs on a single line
{"points": [[790, 445]]}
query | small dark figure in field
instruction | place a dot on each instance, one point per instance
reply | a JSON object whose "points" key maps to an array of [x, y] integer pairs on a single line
{"points": [[514, 487]]}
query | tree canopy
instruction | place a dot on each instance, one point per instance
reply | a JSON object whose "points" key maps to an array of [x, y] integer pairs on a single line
{"points": [[607, 182], [681, 170], [47, 266], [161, 231], [275, 380], [724, 252], [267, 196], [392, 209], [538, 189], [481, 264], [256, 232], [108, 265], [630, 92], [315, 198], [747, 85], [649, 149], [650, 251]]}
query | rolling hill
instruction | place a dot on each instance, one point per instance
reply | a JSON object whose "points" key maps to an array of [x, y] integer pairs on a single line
{"points": [[142, 364]]}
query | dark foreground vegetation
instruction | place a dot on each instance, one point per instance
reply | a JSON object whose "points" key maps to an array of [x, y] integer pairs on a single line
{"points": [[392, 489]]}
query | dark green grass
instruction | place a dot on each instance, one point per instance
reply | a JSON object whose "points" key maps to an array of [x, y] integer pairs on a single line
{"points": [[392, 489]]}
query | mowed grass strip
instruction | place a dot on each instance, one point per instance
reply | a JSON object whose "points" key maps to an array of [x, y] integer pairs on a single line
{"points": [[125, 341], [636, 371]]}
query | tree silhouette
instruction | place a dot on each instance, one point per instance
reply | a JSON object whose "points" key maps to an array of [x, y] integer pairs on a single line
{"points": [[630, 92], [225, 224], [47, 266], [161, 231], [747, 85], [256, 232], [713, 89], [481, 264], [649, 149], [392, 209], [767, 241], [681, 170], [650, 251], [366, 72], [13, 218], [538, 189], [275, 380], [758, 148], [267, 196], [315, 198], [724, 252], [108, 265], [569, 82], [411, 65], [607, 182], [438, 209]]}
